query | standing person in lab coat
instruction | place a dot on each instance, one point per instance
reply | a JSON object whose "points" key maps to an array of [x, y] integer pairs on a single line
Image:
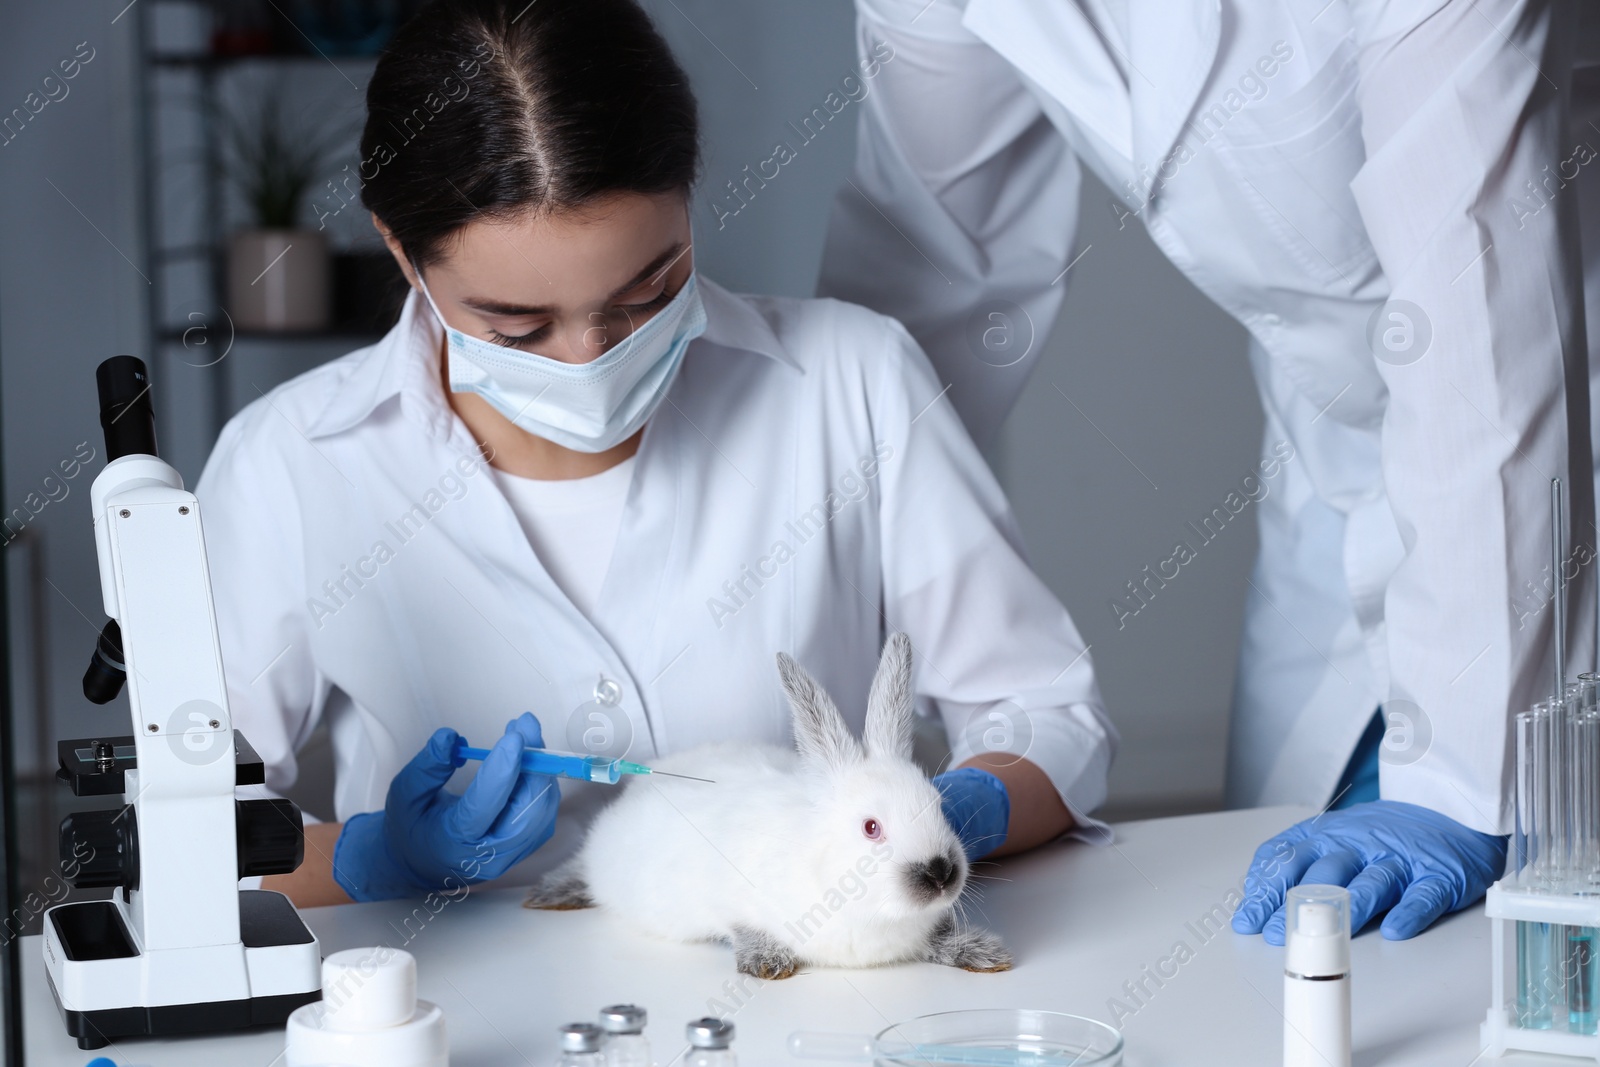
{"points": [[578, 480], [1371, 189]]}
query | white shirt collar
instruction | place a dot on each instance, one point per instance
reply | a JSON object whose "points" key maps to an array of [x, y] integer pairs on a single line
{"points": [[405, 362]]}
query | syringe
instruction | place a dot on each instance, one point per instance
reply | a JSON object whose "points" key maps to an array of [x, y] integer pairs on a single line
{"points": [[578, 766]]}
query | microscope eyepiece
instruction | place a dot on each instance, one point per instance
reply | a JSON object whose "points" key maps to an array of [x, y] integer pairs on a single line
{"points": [[103, 680], [126, 416]]}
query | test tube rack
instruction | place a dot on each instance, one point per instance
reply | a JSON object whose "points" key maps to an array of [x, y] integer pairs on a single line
{"points": [[1518, 912], [1545, 911]]}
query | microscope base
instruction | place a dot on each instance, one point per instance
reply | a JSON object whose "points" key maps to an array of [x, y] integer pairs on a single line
{"points": [[97, 1029], [259, 981]]}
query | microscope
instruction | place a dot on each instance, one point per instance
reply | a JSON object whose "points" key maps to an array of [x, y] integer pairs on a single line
{"points": [[179, 948]]}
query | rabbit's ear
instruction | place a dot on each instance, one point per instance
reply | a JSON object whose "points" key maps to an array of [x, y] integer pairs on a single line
{"points": [[819, 730], [889, 707]]}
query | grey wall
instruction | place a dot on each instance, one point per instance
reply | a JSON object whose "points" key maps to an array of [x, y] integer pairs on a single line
{"points": [[1160, 372], [756, 67], [71, 294], [1166, 422]]}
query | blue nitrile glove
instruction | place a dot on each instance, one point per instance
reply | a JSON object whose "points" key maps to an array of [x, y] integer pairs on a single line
{"points": [[977, 807], [427, 839], [1410, 861]]}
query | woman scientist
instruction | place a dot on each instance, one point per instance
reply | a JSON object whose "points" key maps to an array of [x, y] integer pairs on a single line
{"points": [[579, 480]]}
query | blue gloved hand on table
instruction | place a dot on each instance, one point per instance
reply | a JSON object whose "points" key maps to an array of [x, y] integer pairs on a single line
{"points": [[977, 807], [426, 839], [1410, 861]]}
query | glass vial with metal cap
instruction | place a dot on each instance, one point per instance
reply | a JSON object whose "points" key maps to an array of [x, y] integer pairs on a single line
{"points": [[580, 1046], [625, 1044], [1316, 977], [710, 1043]]}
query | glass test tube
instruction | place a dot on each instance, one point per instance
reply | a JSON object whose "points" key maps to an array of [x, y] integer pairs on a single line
{"points": [[1560, 814], [1525, 834], [1580, 949], [1579, 791], [1559, 801], [1540, 796], [1589, 690], [1549, 761], [1534, 1008], [1584, 797]]}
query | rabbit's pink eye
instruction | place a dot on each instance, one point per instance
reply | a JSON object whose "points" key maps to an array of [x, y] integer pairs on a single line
{"points": [[872, 829]]}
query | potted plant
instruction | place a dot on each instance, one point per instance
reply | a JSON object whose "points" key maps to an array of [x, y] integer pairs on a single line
{"points": [[278, 274]]}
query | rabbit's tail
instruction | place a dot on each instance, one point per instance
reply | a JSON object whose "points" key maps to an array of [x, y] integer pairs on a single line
{"points": [[564, 889]]}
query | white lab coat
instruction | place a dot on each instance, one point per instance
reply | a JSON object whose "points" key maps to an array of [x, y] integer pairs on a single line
{"points": [[1301, 163], [802, 486]]}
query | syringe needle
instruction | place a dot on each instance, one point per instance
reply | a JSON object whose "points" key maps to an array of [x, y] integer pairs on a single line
{"points": [[690, 777], [579, 766]]}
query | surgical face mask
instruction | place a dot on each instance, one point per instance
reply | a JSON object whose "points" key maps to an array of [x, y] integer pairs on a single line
{"points": [[587, 407]]}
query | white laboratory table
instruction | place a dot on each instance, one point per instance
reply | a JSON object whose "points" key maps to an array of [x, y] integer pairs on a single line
{"points": [[1083, 922]]}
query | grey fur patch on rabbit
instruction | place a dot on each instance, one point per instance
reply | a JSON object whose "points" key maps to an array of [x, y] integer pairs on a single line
{"points": [[967, 948], [762, 955], [563, 889], [820, 732]]}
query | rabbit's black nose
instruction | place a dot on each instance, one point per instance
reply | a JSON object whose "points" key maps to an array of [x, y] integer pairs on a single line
{"points": [[930, 878]]}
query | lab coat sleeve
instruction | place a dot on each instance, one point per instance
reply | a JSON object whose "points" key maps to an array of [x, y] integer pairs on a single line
{"points": [[960, 215], [996, 653], [1462, 109], [253, 545]]}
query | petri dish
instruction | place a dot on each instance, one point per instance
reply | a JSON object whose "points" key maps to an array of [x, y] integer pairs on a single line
{"points": [[993, 1035]]}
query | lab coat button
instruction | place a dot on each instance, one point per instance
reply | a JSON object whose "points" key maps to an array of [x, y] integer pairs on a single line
{"points": [[607, 692]]}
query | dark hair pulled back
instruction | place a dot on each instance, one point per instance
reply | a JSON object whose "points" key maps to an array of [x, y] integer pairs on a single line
{"points": [[490, 108]]}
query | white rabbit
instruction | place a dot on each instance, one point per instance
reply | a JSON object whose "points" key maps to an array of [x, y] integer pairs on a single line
{"points": [[832, 855]]}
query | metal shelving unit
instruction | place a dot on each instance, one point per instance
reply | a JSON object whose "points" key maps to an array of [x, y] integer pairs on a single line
{"points": [[159, 256], [180, 125]]}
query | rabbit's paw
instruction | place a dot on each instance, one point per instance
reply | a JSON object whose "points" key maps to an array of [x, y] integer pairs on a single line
{"points": [[563, 889], [969, 949], [762, 955]]}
